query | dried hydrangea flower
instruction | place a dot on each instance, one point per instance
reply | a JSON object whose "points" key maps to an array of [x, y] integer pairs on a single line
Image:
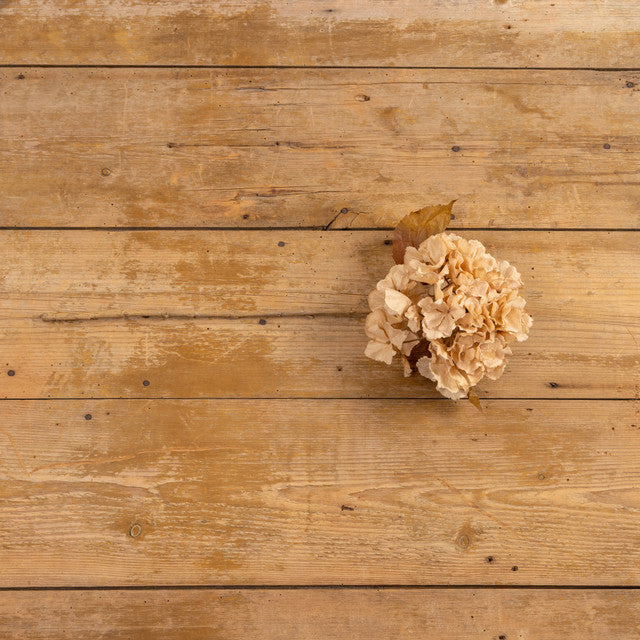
{"points": [[453, 297]]}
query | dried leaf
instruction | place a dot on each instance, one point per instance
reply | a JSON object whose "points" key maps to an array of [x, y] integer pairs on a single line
{"points": [[474, 400], [420, 350], [416, 227]]}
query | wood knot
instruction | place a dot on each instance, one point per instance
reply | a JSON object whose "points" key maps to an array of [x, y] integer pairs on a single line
{"points": [[463, 541]]}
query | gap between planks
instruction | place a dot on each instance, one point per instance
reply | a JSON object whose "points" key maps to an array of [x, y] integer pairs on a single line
{"points": [[310, 67], [316, 228], [307, 398], [326, 587]]}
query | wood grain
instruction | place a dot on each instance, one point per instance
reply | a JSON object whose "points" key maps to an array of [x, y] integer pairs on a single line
{"points": [[319, 492], [235, 314], [307, 32], [186, 476], [309, 147], [336, 614]]}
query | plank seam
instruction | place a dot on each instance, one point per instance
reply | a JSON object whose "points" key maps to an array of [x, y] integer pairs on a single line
{"points": [[318, 228], [304, 67], [308, 398], [289, 587]]}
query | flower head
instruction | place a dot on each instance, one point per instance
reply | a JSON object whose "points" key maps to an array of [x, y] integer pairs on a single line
{"points": [[457, 300]]}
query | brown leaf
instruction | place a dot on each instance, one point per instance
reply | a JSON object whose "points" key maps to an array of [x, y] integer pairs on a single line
{"points": [[419, 351], [416, 227], [474, 400]]}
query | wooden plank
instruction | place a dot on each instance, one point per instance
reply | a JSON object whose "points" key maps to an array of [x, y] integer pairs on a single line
{"points": [[315, 492], [319, 357], [296, 147], [353, 614], [342, 32], [234, 314]]}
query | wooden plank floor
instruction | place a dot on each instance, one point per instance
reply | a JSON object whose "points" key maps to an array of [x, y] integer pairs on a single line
{"points": [[357, 614], [196, 199], [320, 492], [398, 33], [295, 147]]}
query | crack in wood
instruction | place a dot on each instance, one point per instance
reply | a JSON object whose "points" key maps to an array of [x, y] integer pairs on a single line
{"points": [[55, 318]]}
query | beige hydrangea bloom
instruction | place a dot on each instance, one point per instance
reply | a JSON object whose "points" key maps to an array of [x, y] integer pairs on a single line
{"points": [[457, 299]]}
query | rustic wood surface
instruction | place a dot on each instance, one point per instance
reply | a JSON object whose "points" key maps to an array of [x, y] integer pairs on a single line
{"points": [[229, 492], [196, 198], [237, 314], [357, 614], [574, 33], [300, 147]]}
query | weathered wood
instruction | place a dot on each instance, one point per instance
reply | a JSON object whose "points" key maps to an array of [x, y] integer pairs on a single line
{"points": [[318, 357], [321, 614], [343, 32], [319, 492], [296, 147], [93, 314], [77, 275]]}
